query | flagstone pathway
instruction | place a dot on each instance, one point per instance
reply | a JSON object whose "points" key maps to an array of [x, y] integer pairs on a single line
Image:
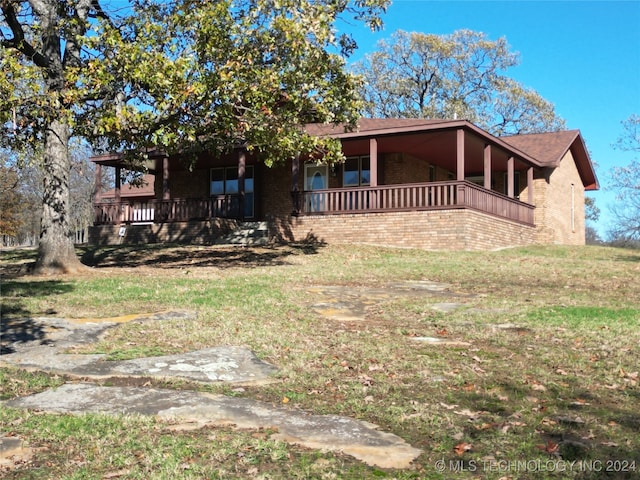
{"points": [[43, 343]]}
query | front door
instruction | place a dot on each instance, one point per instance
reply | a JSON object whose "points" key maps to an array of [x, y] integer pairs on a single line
{"points": [[316, 178]]}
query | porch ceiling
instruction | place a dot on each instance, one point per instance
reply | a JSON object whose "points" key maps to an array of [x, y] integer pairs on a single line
{"points": [[436, 148], [116, 160]]}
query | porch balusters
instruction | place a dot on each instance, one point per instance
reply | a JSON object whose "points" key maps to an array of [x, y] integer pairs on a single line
{"points": [[384, 198], [437, 195]]}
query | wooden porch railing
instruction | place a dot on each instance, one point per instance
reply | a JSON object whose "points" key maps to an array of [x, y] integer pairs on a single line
{"points": [[159, 211], [405, 197], [385, 198]]}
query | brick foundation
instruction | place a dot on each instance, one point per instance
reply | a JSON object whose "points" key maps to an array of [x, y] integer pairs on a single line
{"points": [[199, 233], [458, 229]]}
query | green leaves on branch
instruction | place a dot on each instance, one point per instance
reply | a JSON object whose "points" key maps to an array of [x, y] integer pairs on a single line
{"points": [[190, 75]]}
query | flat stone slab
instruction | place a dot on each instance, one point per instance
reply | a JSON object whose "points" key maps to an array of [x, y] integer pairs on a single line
{"points": [[340, 311], [441, 341], [218, 364], [447, 307], [10, 446], [359, 439], [351, 303], [13, 452], [27, 334], [41, 343], [421, 285]]}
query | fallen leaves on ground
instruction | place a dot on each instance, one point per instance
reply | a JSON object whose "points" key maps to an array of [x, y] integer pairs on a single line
{"points": [[462, 447]]}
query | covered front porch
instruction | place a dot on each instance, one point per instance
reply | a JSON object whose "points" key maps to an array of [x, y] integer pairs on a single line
{"points": [[419, 165]]}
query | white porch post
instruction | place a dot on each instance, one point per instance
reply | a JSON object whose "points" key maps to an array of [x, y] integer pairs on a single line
{"points": [[530, 185]]}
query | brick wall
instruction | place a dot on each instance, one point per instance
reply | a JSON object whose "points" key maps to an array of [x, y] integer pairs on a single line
{"points": [[402, 168], [275, 189], [559, 200], [199, 233], [457, 229]]}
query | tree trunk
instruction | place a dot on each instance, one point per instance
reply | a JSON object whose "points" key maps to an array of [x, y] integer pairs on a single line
{"points": [[56, 253]]}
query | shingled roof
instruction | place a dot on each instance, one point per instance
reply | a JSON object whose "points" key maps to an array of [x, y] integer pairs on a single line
{"points": [[537, 149], [366, 125], [548, 148], [542, 149], [551, 147]]}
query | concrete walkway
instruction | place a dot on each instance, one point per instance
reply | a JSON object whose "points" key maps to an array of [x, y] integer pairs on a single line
{"points": [[41, 343]]}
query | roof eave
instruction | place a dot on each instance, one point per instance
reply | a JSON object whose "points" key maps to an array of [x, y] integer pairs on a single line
{"points": [[117, 159], [445, 124], [589, 177], [582, 160]]}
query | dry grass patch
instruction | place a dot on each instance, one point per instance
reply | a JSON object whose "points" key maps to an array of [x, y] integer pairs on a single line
{"points": [[550, 373]]}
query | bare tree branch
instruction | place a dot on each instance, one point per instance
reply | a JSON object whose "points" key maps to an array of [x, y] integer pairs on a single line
{"points": [[19, 42]]}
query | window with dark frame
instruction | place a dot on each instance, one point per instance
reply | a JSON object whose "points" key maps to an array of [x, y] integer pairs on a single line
{"points": [[224, 181], [356, 172]]}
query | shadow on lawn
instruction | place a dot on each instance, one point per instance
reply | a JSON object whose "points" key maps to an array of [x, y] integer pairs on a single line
{"points": [[569, 431], [16, 322], [628, 258], [181, 257], [17, 262]]}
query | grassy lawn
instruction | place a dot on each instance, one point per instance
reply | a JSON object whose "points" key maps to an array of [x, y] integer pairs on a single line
{"points": [[546, 388]]}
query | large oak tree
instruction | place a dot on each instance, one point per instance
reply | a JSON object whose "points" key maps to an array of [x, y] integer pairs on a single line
{"points": [[181, 75], [461, 75]]}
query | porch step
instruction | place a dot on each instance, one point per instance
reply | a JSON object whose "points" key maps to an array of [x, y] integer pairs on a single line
{"points": [[247, 234]]}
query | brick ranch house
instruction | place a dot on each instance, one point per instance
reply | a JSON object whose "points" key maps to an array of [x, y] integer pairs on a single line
{"points": [[431, 184]]}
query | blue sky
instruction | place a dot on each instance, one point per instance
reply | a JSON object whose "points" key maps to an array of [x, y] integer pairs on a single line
{"points": [[583, 56]]}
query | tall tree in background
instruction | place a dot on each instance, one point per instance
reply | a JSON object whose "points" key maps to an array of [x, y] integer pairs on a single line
{"points": [[30, 186], [82, 180], [417, 75], [10, 200], [626, 181], [184, 75], [21, 178], [591, 216]]}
